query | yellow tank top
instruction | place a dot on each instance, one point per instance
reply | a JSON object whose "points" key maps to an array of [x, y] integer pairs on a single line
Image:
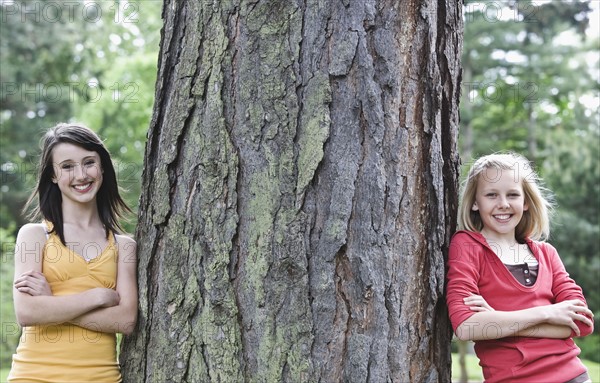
{"points": [[66, 352]]}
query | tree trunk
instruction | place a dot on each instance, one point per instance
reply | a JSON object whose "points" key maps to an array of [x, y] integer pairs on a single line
{"points": [[300, 189]]}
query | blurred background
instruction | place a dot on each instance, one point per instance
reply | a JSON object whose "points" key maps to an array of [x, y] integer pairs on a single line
{"points": [[531, 83]]}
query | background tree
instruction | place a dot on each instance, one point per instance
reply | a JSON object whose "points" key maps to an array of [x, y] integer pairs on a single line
{"points": [[89, 61], [521, 70], [299, 192]]}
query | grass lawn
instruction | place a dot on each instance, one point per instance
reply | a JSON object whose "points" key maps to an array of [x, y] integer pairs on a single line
{"points": [[3, 374], [474, 371]]}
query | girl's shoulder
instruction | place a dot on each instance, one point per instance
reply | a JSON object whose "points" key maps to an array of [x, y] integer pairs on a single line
{"points": [[465, 236], [126, 249], [542, 248], [32, 235], [34, 230], [124, 239], [468, 246], [125, 243]]}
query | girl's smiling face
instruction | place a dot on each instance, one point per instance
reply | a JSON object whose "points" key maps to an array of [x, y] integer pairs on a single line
{"points": [[500, 201], [77, 172]]}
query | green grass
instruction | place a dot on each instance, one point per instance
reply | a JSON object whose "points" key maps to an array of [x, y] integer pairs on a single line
{"points": [[475, 375], [4, 374], [594, 370]]}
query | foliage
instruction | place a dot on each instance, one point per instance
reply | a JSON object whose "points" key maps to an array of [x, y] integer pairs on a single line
{"points": [[94, 62], [590, 348], [574, 175], [514, 87]]}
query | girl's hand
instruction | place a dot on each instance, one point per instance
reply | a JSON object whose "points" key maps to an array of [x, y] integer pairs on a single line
{"points": [[567, 312], [477, 303], [33, 283]]}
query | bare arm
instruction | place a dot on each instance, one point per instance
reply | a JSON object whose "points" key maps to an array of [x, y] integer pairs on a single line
{"points": [[121, 317], [546, 330], [551, 321], [32, 304]]}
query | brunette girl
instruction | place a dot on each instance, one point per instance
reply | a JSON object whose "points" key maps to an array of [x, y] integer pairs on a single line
{"points": [[75, 275]]}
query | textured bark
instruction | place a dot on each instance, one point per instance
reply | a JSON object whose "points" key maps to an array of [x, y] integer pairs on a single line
{"points": [[300, 189]]}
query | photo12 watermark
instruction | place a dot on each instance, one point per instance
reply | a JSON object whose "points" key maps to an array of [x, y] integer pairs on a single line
{"points": [[54, 92], [75, 252], [502, 11], [70, 11], [496, 92], [53, 333]]}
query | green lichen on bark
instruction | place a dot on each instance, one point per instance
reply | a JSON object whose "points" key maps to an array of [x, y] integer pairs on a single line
{"points": [[221, 342], [278, 351], [314, 128], [261, 209], [271, 278]]}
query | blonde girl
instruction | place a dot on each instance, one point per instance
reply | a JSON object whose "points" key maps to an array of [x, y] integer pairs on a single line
{"points": [[507, 289]]}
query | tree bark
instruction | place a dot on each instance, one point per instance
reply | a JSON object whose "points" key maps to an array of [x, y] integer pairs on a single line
{"points": [[300, 190]]}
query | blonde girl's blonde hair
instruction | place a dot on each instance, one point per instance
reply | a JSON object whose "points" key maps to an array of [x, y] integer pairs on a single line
{"points": [[535, 223]]}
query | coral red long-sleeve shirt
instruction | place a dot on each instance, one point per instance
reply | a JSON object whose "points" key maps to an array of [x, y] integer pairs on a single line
{"points": [[473, 268]]}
